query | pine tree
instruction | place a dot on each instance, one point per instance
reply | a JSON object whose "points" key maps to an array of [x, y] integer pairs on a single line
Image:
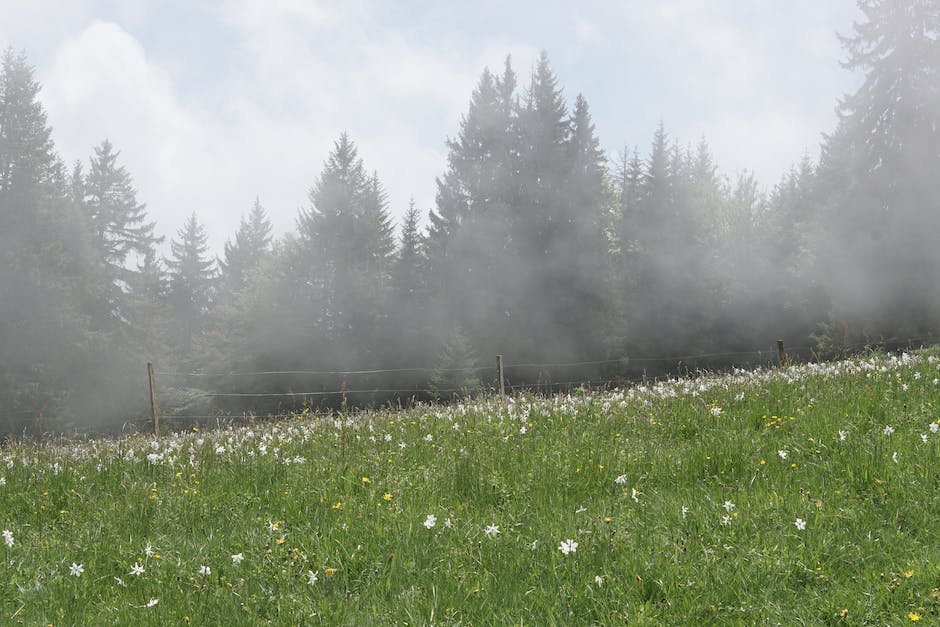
{"points": [[27, 155], [252, 241], [468, 243], [672, 299], [46, 277], [878, 177], [579, 267], [122, 234], [346, 242], [192, 274], [408, 269], [120, 222], [476, 165], [455, 372]]}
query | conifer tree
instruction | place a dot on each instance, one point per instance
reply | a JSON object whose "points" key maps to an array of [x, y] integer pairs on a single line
{"points": [[192, 274], [252, 241], [455, 373], [408, 269], [122, 235], [878, 177], [346, 243], [469, 234], [46, 277]]}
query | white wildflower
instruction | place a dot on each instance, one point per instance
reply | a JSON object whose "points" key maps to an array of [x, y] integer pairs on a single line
{"points": [[888, 430], [76, 570], [312, 577], [205, 570], [430, 521], [568, 546], [8, 537], [800, 524], [491, 530], [237, 559]]}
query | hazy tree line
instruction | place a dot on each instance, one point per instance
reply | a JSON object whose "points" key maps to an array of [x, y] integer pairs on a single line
{"points": [[538, 247]]}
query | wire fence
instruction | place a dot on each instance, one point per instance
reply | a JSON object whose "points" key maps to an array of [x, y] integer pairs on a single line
{"points": [[539, 373], [187, 391]]}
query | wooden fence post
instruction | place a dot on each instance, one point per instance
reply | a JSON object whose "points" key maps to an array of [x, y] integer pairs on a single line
{"points": [[499, 377], [782, 353], [153, 400]]}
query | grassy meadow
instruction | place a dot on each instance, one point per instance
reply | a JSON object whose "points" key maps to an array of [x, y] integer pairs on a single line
{"points": [[802, 495]]}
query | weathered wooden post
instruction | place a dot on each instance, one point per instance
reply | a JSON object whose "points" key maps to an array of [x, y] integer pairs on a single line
{"points": [[499, 377], [782, 353], [153, 400]]}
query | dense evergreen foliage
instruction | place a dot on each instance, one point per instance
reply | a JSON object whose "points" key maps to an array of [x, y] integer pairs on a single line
{"points": [[538, 247]]}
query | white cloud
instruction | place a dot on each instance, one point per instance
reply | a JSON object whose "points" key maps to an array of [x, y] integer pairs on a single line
{"points": [[757, 80], [102, 85]]}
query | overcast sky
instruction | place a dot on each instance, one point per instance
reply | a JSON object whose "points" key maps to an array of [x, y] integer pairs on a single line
{"points": [[214, 103]]}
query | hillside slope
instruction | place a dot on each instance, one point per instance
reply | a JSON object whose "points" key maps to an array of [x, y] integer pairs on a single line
{"points": [[799, 495]]}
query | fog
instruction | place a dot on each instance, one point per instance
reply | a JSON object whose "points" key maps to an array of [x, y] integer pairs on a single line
{"points": [[578, 265]]}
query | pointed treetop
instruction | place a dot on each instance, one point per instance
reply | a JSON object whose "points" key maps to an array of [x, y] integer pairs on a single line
{"points": [[26, 149]]}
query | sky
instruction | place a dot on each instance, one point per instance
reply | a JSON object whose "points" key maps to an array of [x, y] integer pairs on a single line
{"points": [[217, 102]]}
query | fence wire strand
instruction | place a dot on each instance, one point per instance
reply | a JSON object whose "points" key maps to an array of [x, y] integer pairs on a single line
{"points": [[768, 352]]}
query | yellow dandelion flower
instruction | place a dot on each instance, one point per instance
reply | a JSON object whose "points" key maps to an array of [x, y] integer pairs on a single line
{"points": [[387, 496], [914, 616], [366, 480], [844, 613], [330, 572], [909, 573], [337, 505]]}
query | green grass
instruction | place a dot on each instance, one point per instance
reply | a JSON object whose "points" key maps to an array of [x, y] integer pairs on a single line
{"points": [[679, 497]]}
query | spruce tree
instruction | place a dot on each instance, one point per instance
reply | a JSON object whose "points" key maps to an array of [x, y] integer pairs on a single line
{"points": [[408, 268], [46, 269], [252, 241], [409, 306], [123, 237], [878, 180], [471, 273], [345, 240], [192, 275]]}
